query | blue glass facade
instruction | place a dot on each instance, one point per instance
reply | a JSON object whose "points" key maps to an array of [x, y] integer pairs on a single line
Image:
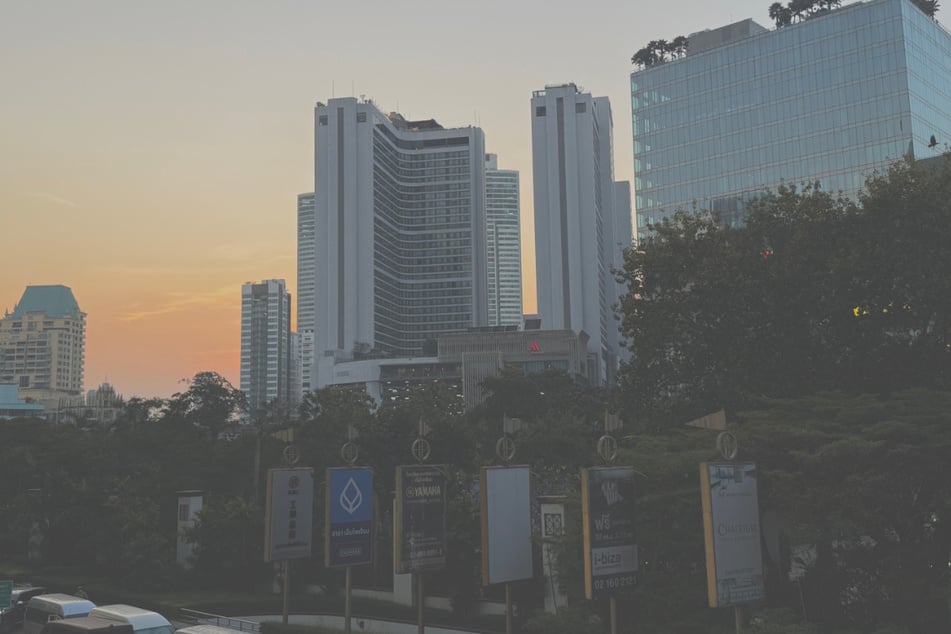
{"points": [[832, 99]]}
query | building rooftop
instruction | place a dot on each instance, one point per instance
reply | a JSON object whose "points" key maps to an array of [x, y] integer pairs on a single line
{"points": [[54, 300], [413, 126]]}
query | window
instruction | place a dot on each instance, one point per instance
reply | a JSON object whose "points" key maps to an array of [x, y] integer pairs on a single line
{"points": [[580, 107], [322, 120], [361, 117], [182, 512], [539, 111]]}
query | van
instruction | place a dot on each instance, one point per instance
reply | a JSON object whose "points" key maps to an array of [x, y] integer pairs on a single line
{"points": [[44, 608], [142, 621], [12, 617], [87, 625]]}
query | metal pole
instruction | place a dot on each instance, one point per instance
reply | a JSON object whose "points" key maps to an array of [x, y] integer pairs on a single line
{"points": [[738, 616], [508, 608], [420, 628], [346, 605], [287, 589], [613, 615]]}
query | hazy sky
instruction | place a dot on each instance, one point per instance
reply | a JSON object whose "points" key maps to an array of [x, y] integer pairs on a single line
{"points": [[151, 152]]}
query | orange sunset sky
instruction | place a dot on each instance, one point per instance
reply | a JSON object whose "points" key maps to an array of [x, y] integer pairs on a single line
{"points": [[151, 152]]}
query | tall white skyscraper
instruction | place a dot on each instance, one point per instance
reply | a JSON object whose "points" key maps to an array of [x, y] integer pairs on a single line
{"points": [[400, 234], [265, 344], [576, 219], [306, 260], [503, 244]]}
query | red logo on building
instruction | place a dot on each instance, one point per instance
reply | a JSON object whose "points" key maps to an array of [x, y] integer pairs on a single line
{"points": [[533, 347]]}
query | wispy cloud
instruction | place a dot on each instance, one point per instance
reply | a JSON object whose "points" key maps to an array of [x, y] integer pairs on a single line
{"points": [[176, 302], [52, 199]]}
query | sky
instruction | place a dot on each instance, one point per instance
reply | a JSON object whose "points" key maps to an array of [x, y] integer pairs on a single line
{"points": [[151, 152]]}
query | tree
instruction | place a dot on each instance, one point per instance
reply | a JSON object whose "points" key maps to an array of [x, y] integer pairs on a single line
{"points": [[659, 51], [880, 530], [229, 538], [928, 7], [209, 403], [814, 292], [780, 14]]}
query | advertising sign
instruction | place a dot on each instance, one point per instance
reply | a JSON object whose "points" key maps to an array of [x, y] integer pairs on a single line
{"points": [[289, 514], [731, 533], [506, 524], [349, 527], [420, 518], [610, 550]]}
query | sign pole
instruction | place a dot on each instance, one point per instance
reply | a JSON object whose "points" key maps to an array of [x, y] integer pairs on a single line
{"points": [[738, 616], [419, 603], [346, 606], [287, 589], [613, 615], [508, 608]]}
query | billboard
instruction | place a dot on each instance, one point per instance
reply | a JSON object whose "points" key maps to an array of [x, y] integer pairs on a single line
{"points": [[420, 518], [506, 524], [348, 534], [610, 549], [731, 533], [289, 514]]}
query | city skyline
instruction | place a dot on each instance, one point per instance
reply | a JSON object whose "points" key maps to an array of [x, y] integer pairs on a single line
{"points": [[155, 152]]}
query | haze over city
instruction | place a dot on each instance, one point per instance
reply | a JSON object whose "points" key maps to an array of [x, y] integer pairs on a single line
{"points": [[152, 153]]}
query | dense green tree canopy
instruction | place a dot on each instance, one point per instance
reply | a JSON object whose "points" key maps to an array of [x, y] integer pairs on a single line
{"points": [[815, 292]]}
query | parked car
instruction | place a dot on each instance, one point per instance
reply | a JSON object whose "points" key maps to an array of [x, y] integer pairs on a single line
{"points": [[11, 618], [87, 625], [142, 621], [44, 608]]}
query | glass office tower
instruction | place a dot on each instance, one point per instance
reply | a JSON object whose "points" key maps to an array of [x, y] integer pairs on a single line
{"points": [[832, 98]]}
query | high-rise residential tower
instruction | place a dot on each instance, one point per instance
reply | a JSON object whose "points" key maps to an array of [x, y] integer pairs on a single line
{"points": [[831, 98], [265, 344], [577, 225], [43, 344], [400, 234], [306, 262], [503, 244]]}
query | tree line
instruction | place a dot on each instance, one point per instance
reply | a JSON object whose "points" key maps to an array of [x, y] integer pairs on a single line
{"points": [[821, 326]]}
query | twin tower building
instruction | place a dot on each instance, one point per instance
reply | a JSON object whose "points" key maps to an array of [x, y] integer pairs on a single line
{"points": [[412, 235]]}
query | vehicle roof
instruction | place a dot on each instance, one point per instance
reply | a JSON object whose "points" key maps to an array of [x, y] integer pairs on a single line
{"points": [[140, 618], [87, 623], [205, 629], [69, 603], [18, 590]]}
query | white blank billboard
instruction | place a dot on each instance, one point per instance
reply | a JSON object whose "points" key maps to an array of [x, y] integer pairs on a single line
{"points": [[506, 525]]}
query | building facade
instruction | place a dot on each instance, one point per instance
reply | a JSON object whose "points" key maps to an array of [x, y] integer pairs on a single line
{"points": [[306, 263], [399, 234], [465, 360], [577, 223], [503, 244], [832, 98], [265, 344], [43, 345]]}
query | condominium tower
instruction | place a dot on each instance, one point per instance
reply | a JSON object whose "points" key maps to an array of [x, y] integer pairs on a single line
{"points": [[400, 234], [503, 244], [833, 98], [43, 344], [579, 230], [306, 261], [265, 344]]}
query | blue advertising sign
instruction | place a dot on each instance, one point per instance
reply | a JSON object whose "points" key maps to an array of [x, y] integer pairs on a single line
{"points": [[349, 526]]}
